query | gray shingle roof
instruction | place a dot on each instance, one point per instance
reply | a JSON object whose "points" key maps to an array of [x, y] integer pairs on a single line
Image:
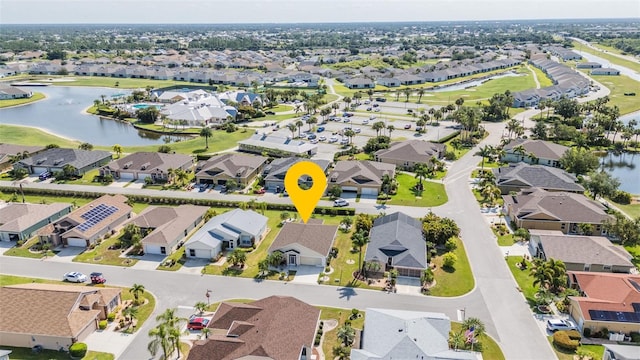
{"points": [[316, 237], [362, 172], [398, 236], [417, 151], [151, 161], [540, 148], [248, 221], [60, 157], [277, 169], [575, 249], [536, 176], [19, 217], [168, 223]]}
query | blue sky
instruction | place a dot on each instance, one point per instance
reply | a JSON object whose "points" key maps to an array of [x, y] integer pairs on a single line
{"points": [[300, 11]]}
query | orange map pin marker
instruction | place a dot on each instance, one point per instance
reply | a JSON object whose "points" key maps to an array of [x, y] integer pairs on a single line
{"points": [[305, 201]]}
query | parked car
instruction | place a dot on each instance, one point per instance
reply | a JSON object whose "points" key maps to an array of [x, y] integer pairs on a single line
{"points": [[333, 139], [314, 141], [45, 175], [381, 99], [408, 126], [197, 323], [418, 128], [311, 136], [344, 141], [357, 130], [377, 110], [340, 202], [369, 108], [365, 121], [260, 191], [554, 325], [367, 102], [75, 277], [97, 278], [346, 120], [372, 117], [269, 113], [376, 105], [322, 138], [320, 129]]}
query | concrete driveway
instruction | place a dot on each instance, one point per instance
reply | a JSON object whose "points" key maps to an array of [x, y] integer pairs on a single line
{"points": [[148, 261], [119, 183], [368, 199], [138, 184], [408, 285], [109, 341], [193, 266], [6, 245], [67, 254], [306, 274]]}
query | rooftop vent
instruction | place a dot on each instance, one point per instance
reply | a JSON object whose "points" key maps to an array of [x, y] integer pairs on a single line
{"points": [[145, 165], [58, 161], [40, 161], [127, 165]]}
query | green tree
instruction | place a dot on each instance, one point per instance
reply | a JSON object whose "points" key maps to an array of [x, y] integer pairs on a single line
{"points": [[292, 127], [485, 151], [601, 183], [173, 323], [346, 334], [438, 230], [579, 161], [359, 239], [477, 325], [200, 307], [422, 171], [130, 313], [378, 126], [206, 133], [346, 222], [85, 146], [117, 149], [164, 149], [136, 290], [624, 229], [449, 260], [148, 115], [363, 222], [160, 339], [335, 191]]}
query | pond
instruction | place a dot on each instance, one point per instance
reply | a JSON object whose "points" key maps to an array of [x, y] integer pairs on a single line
{"points": [[62, 113], [624, 166]]}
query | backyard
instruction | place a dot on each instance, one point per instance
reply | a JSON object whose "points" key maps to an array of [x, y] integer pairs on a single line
{"points": [[15, 102]]}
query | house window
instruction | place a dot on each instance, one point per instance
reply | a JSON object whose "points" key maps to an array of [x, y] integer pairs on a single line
{"points": [[607, 267], [163, 250], [192, 252], [587, 267], [292, 259], [563, 226]]}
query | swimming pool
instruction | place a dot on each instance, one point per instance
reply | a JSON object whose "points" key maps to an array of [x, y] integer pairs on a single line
{"points": [[144, 106]]}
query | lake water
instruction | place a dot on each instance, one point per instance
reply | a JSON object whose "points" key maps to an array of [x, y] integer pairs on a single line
{"points": [[62, 113], [626, 167]]}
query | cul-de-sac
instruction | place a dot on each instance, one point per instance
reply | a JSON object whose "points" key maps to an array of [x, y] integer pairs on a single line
{"points": [[482, 195]]}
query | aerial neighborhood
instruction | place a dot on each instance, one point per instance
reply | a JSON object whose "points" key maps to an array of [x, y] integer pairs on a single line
{"points": [[481, 197]]}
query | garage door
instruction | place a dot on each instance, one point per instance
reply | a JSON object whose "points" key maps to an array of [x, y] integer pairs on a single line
{"points": [[126, 175], [370, 191], [39, 170], [350, 188], [142, 176], [76, 242], [307, 260]]}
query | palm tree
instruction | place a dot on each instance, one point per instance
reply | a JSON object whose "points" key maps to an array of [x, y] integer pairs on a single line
{"points": [[456, 339], [459, 102], [137, 290], [117, 149], [490, 193], [420, 94], [103, 97], [200, 307], [377, 126], [172, 323], [160, 340], [485, 151], [206, 133], [346, 222], [359, 239], [541, 274], [312, 120], [350, 134], [292, 127], [422, 171], [299, 125], [406, 92], [335, 106], [390, 128], [346, 335], [341, 352], [130, 313], [477, 324]]}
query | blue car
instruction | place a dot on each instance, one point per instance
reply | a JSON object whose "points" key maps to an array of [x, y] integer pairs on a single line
{"points": [[320, 129], [311, 137]]}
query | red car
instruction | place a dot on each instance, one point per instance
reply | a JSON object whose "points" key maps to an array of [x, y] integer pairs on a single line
{"points": [[197, 323], [260, 191]]}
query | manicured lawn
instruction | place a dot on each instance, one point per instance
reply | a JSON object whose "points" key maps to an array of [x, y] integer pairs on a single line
{"points": [[280, 108], [6, 280], [632, 210], [360, 156], [144, 311], [456, 282], [562, 354], [177, 256], [434, 193], [523, 278], [28, 354], [634, 250], [23, 251], [503, 240], [614, 59], [543, 79], [102, 255], [491, 165], [86, 179], [124, 83], [330, 338], [13, 102], [490, 349], [620, 84], [21, 135], [45, 199]]}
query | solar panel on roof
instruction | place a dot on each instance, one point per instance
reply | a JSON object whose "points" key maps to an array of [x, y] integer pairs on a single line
{"points": [[95, 216], [619, 316]]}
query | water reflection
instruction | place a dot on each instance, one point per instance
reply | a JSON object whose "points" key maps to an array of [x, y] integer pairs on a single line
{"points": [[623, 166]]}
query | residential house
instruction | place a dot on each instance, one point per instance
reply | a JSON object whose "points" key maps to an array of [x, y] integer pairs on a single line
{"points": [[274, 173], [403, 334], [276, 327], [538, 152], [4, 354], [12, 152], [406, 154], [235, 228], [166, 227], [54, 160], [588, 65], [58, 315], [359, 83], [305, 244], [520, 176], [87, 224], [21, 221], [605, 71], [389, 82], [619, 352], [580, 253], [564, 211], [12, 92], [396, 242], [277, 145], [363, 177], [610, 301], [142, 165], [222, 168]]}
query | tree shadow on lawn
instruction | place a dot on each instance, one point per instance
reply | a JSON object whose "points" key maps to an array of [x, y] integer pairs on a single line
{"points": [[232, 271], [449, 269], [199, 151]]}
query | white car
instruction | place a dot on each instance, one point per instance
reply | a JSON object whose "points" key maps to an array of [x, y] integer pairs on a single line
{"points": [[377, 109], [365, 122], [333, 139], [340, 202], [372, 117], [357, 130], [314, 141], [322, 138], [554, 325], [75, 277]]}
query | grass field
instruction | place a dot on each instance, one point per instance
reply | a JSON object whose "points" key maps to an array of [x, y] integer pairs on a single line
{"points": [[330, 338], [613, 59], [124, 83], [523, 278], [619, 85], [434, 193], [456, 282], [14, 102], [543, 79], [632, 210], [30, 136], [490, 349]]}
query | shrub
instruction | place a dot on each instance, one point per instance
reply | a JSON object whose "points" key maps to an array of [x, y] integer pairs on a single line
{"points": [[111, 316], [102, 324], [78, 350], [573, 334], [449, 260], [586, 332], [621, 197], [451, 244], [561, 339], [635, 336], [585, 354], [605, 333]]}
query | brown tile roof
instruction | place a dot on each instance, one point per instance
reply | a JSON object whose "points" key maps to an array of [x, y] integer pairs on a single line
{"points": [[362, 172], [274, 334], [575, 249], [318, 238], [53, 309], [118, 201], [417, 151], [231, 165], [538, 204], [19, 217], [606, 291], [168, 223], [153, 161], [540, 148]]}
